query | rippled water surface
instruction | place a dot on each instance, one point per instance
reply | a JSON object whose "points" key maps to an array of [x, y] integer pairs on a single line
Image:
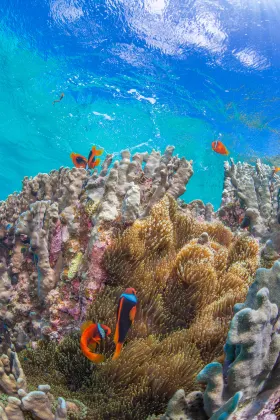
{"points": [[138, 74]]}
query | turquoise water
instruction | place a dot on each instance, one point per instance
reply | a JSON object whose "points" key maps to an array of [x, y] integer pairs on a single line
{"points": [[133, 86]]}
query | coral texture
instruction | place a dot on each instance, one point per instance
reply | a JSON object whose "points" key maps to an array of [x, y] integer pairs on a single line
{"points": [[188, 275], [129, 191], [54, 234], [250, 373], [256, 190], [18, 402]]}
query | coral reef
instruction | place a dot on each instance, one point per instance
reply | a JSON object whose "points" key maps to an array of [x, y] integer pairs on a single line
{"points": [[254, 191], [248, 381], [187, 279], [17, 403], [54, 233], [199, 210], [129, 191], [188, 275], [72, 241]]}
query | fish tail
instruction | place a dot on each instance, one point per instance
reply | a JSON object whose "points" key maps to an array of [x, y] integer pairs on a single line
{"points": [[96, 152], [117, 351], [94, 357]]}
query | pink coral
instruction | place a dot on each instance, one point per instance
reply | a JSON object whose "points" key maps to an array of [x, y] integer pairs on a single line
{"points": [[96, 273], [232, 215]]}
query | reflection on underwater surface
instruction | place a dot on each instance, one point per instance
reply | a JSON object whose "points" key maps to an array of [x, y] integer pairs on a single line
{"points": [[154, 72]]}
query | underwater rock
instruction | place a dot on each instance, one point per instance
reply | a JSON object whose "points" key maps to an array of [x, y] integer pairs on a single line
{"points": [[63, 186], [61, 411], [53, 229]]}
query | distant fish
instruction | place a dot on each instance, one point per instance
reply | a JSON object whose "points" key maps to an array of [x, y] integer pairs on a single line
{"points": [[92, 334], [91, 162], [58, 100], [275, 169], [78, 160], [219, 147], [125, 317]]}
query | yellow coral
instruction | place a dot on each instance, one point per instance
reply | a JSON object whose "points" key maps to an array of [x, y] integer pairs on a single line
{"points": [[91, 207], [74, 265]]}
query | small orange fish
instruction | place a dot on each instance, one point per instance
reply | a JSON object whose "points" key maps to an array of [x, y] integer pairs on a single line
{"points": [[82, 162], [92, 334], [219, 147], [275, 169], [92, 161], [125, 317], [79, 160]]}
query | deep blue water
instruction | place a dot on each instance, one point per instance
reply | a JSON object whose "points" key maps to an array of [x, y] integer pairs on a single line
{"points": [[138, 74]]}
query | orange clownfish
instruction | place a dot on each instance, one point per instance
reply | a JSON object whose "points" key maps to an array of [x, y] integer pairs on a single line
{"points": [[219, 147], [91, 162], [92, 334], [275, 169], [125, 317]]}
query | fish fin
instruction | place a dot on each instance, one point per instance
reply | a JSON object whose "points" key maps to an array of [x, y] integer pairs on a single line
{"points": [[117, 351], [92, 155], [117, 332], [92, 346], [94, 357], [85, 325], [132, 314], [95, 163]]}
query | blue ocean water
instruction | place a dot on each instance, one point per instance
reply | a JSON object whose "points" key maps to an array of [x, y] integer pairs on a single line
{"points": [[138, 74]]}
